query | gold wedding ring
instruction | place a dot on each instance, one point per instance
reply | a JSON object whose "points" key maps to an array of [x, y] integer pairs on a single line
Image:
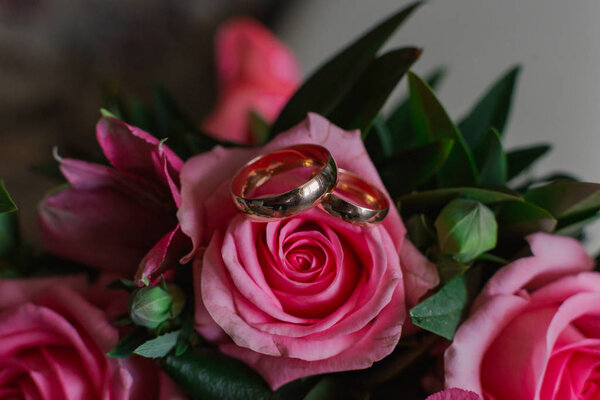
{"points": [[356, 201], [284, 205]]}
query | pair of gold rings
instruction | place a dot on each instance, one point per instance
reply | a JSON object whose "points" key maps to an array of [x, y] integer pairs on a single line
{"points": [[339, 192]]}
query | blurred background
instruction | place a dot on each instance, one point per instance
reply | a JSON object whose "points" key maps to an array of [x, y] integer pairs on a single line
{"points": [[59, 58]]}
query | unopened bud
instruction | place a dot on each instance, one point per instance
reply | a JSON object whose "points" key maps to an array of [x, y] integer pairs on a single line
{"points": [[151, 306]]}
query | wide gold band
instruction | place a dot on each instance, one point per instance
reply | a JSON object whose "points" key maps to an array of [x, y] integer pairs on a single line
{"points": [[261, 169], [356, 201]]}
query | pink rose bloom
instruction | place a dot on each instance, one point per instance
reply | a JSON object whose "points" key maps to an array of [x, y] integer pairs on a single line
{"points": [[303, 296], [55, 333], [121, 217], [534, 331], [256, 73], [454, 394]]}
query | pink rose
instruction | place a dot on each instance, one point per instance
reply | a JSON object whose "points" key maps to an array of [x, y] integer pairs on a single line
{"points": [[55, 333], [303, 296], [118, 218], [454, 394], [256, 73], [534, 331]]}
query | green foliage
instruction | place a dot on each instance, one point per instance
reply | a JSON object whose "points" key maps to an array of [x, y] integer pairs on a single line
{"points": [[521, 218], [327, 86], [491, 110], [359, 107], [412, 168], [259, 127], [491, 160], [520, 160], [152, 305], [334, 388], [129, 343], [210, 375], [465, 229], [566, 200], [443, 312], [159, 346], [431, 122], [428, 200], [6, 203]]}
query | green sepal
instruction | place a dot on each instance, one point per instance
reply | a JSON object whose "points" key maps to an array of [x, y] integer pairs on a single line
{"points": [[491, 160], [325, 88], [491, 110], [465, 229], [211, 375], [159, 346], [359, 107], [431, 122], [407, 171], [519, 160]]}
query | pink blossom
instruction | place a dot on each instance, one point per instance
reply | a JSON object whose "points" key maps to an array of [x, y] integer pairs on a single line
{"points": [[55, 333], [533, 332], [256, 72], [303, 296], [118, 218]]}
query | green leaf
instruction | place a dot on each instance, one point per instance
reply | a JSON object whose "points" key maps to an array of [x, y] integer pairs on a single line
{"points": [[129, 343], [406, 171], [443, 312], [334, 388], [574, 229], [122, 284], [379, 140], [420, 231], [491, 160], [427, 200], [466, 228], [520, 160], [431, 121], [324, 89], [448, 269], [211, 375], [259, 128], [6, 203], [9, 234], [520, 218], [566, 199], [359, 107], [399, 120], [160, 346], [491, 110]]}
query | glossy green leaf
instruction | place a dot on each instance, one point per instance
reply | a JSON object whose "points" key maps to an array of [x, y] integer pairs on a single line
{"points": [[575, 228], [431, 120], [129, 343], [406, 171], [9, 234], [6, 202], [491, 110], [326, 87], [465, 229], [566, 199], [520, 218], [443, 312], [211, 375], [491, 160], [430, 199], [399, 120], [160, 346], [520, 160], [359, 107]]}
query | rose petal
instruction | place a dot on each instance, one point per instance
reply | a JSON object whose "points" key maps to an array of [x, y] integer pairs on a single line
{"points": [[454, 394]]}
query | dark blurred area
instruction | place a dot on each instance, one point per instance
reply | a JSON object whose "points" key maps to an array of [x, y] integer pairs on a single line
{"points": [[58, 59]]}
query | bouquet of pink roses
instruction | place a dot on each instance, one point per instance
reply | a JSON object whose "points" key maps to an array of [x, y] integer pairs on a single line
{"points": [[303, 244]]}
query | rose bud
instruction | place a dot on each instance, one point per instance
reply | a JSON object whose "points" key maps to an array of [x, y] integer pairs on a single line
{"points": [[153, 305]]}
